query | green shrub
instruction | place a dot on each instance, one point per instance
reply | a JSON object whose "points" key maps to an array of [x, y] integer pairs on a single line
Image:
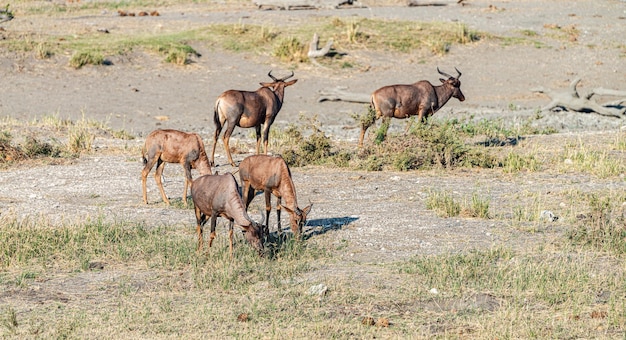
{"points": [[179, 54], [291, 50], [34, 148], [80, 59]]}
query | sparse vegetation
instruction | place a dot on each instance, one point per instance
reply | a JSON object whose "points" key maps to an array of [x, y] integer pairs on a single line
{"points": [[443, 204], [285, 43], [603, 227], [597, 161], [179, 54], [426, 146], [24, 144], [290, 50], [313, 149], [80, 59], [438, 144], [514, 162], [476, 207]]}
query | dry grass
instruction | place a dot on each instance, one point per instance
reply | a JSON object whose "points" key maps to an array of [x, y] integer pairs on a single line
{"points": [[51, 137], [124, 280]]}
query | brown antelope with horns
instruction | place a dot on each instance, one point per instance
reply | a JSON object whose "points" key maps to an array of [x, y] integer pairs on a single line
{"points": [[271, 175], [248, 109], [218, 195], [173, 146], [421, 99]]}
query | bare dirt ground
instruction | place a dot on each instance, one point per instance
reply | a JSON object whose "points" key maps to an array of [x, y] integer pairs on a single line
{"points": [[382, 215]]}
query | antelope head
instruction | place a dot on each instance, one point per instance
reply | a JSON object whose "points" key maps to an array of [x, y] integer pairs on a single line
{"points": [[454, 84]]}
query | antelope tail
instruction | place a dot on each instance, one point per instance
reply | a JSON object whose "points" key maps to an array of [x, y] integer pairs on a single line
{"points": [[143, 156], [216, 115]]}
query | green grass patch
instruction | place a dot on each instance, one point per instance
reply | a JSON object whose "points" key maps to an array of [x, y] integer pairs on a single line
{"points": [[82, 58], [286, 43], [445, 205], [476, 206]]}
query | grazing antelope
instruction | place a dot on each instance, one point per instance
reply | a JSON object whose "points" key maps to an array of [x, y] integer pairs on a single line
{"points": [[218, 195], [271, 175], [422, 99], [248, 109], [173, 146]]}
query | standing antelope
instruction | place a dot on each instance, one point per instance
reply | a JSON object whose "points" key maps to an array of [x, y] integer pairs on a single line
{"points": [[272, 176], [218, 195], [173, 146], [248, 109], [422, 99]]}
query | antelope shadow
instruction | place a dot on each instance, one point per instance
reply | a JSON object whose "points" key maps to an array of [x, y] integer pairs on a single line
{"points": [[275, 245], [311, 228], [507, 141], [326, 224]]}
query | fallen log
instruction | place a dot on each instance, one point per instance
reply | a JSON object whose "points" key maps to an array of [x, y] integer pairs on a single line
{"points": [[571, 100], [339, 93], [302, 4]]}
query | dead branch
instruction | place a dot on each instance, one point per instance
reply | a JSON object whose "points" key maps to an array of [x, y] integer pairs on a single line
{"points": [[315, 51], [571, 100], [607, 92], [339, 93]]}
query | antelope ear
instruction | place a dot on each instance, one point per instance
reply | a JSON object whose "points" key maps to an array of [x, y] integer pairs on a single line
{"points": [[266, 84], [291, 82], [286, 208], [307, 209]]}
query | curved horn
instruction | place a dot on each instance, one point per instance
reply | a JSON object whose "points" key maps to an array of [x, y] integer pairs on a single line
{"points": [[443, 73], [271, 76], [459, 72], [287, 77]]}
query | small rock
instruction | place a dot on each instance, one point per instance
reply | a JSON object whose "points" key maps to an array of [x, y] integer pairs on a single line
{"points": [[368, 321], [434, 291], [382, 322], [319, 289], [96, 265], [548, 215]]}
